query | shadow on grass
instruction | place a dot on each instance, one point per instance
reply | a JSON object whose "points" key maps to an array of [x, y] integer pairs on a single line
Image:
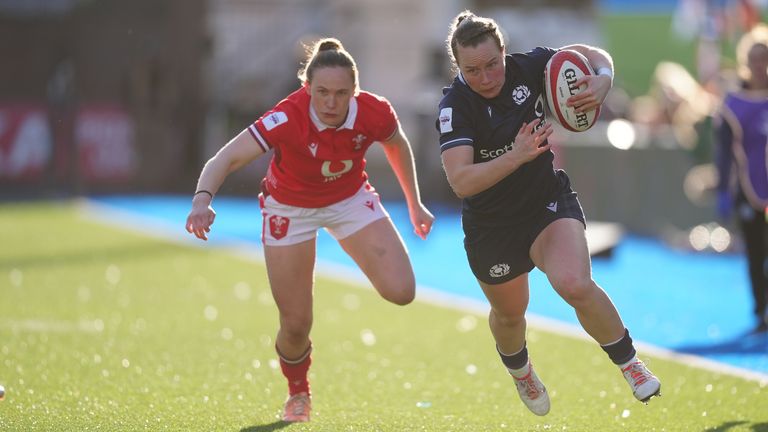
{"points": [[748, 343], [756, 427], [267, 427]]}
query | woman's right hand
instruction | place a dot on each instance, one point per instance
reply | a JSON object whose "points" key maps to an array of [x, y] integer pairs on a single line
{"points": [[531, 141], [201, 217]]}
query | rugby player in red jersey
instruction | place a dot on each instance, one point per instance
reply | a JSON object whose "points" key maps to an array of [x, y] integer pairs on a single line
{"points": [[317, 179]]}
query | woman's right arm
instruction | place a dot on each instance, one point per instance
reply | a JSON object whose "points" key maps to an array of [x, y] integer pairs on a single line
{"points": [[237, 153], [468, 178], [723, 162]]}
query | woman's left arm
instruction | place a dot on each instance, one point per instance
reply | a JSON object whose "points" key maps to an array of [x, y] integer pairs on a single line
{"points": [[598, 85], [400, 157]]}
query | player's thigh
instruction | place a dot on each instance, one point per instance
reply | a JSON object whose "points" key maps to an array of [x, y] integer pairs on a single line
{"points": [[291, 274], [380, 253], [510, 298], [560, 250]]}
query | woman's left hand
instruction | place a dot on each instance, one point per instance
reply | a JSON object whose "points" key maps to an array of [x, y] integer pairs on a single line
{"points": [[422, 221], [591, 97]]}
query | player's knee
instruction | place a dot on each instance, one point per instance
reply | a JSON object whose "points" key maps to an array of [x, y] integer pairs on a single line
{"points": [[399, 292], [574, 288], [403, 296], [399, 288], [508, 319]]}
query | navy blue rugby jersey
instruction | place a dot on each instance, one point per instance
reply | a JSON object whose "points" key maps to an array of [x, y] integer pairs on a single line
{"points": [[490, 127]]}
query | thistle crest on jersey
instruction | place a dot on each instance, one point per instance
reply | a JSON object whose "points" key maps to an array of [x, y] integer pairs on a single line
{"points": [[520, 94]]}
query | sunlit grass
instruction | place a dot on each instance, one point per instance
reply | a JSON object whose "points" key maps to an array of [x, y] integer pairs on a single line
{"points": [[101, 329]]}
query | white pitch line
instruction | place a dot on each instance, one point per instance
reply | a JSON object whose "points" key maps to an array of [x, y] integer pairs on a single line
{"points": [[131, 221]]}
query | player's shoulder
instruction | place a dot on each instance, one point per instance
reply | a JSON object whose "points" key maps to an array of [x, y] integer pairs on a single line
{"points": [[372, 100], [292, 110], [755, 97], [373, 108], [457, 95], [296, 103], [533, 58]]}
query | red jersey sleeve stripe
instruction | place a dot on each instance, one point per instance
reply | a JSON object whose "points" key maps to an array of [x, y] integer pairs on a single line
{"points": [[259, 139]]}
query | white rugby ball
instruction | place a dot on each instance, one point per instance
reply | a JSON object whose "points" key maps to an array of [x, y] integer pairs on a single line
{"points": [[560, 74]]}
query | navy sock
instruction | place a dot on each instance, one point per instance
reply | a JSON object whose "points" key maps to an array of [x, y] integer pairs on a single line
{"points": [[514, 361], [622, 350]]}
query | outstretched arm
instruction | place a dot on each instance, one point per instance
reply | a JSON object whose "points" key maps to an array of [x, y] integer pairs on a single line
{"points": [[234, 155], [400, 157]]}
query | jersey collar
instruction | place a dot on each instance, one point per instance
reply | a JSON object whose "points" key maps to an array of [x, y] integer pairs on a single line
{"points": [[349, 123]]}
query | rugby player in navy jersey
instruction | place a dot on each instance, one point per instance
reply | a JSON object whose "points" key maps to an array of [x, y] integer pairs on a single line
{"points": [[518, 212]]}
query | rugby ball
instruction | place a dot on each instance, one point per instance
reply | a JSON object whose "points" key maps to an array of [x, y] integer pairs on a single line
{"points": [[560, 74]]}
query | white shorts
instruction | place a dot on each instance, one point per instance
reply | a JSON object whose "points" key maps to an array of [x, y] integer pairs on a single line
{"points": [[284, 225]]}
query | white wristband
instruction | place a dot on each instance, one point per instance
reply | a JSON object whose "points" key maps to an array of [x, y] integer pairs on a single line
{"points": [[605, 71]]}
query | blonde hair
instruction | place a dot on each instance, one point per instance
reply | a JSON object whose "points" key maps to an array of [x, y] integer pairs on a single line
{"points": [[327, 52], [758, 35]]}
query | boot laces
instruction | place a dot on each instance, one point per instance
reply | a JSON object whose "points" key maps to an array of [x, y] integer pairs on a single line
{"points": [[637, 373], [531, 390]]}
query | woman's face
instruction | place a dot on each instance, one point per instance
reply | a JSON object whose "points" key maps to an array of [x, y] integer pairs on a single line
{"points": [[482, 67], [330, 91], [757, 62]]}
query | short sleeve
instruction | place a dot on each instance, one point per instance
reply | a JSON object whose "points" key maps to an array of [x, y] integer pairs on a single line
{"points": [[385, 119], [453, 124], [274, 126]]}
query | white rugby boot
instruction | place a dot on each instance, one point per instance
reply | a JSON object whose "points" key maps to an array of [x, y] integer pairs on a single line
{"points": [[532, 392], [644, 384]]}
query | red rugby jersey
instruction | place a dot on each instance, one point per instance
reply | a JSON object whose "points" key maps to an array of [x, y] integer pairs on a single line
{"points": [[315, 165]]}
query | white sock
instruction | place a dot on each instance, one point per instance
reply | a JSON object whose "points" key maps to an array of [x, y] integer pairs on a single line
{"points": [[520, 373], [632, 360]]}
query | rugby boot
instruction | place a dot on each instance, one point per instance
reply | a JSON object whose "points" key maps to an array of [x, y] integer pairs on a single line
{"points": [[644, 384], [532, 392], [297, 408]]}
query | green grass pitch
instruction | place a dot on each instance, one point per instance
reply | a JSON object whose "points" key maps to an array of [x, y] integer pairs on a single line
{"points": [[103, 329]]}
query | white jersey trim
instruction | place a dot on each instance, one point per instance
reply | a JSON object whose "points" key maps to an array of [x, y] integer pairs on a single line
{"points": [[349, 123], [468, 140]]}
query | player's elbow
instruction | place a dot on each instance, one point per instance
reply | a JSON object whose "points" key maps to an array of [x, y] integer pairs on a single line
{"points": [[459, 193], [459, 189]]}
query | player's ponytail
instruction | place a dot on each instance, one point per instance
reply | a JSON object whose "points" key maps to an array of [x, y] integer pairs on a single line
{"points": [[461, 17], [329, 44], [468, 29], [327, 52]]}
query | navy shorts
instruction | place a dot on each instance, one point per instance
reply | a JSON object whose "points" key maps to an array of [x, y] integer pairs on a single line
{"points": [[497, 254]]}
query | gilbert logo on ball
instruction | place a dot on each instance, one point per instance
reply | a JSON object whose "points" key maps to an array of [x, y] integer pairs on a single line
{"points": [[560, 75]]}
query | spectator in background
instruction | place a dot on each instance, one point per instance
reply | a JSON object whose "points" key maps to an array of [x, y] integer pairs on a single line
{"points": [[316, 179], [742, 134], [518, 212]]}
